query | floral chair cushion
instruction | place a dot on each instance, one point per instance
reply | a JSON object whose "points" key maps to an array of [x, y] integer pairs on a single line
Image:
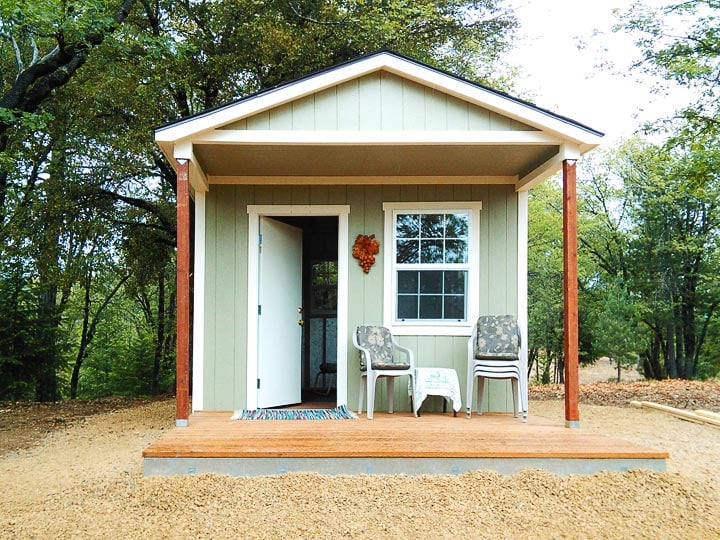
{"points": [[378, 342], [498, 338]]}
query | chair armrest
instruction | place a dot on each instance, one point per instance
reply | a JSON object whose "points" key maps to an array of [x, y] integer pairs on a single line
{"points": [[471, 344], [408, 352], [364, 353]]}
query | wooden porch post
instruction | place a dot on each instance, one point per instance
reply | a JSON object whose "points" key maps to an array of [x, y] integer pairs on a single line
{"points": [[570, 290], [182, 358]]}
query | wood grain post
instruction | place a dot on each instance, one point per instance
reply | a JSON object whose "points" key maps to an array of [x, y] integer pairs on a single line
{"points": [[182, 358], [570, 290]]}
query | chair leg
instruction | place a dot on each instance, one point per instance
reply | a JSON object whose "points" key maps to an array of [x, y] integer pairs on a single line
{"points": [[480, 394], [326, 387], [412, 394], [469, 393], [516, 396], [370, 395], [363, 382], [391, 394], [524, 398]]}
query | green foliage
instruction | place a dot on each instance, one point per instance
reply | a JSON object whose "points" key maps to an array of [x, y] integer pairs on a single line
{"points": [[616, 332], [654, 219], [85, 196], [545, 288], [681, 43], [545, 267]]}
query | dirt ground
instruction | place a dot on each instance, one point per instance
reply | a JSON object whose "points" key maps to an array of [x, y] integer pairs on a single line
{"points": [[75, 471]]}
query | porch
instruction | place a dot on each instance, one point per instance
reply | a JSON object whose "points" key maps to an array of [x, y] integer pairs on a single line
{"points": [[435, 443]]}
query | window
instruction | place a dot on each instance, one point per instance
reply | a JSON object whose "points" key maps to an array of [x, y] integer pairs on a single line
{"points": [[430, 271]]}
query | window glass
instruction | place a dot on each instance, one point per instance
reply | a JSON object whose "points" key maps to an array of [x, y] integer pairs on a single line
{"points": [[431, 265]]}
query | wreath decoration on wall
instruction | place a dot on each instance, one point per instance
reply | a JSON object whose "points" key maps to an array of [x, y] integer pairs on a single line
{"points": [[364, 250]]}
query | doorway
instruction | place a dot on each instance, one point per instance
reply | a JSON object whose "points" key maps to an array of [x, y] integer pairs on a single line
{"points": [[324, 231], [320, 295], [314, 364], [312, 373]]}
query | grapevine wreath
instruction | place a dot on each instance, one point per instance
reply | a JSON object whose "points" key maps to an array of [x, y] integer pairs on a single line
{"points": [[365, 249]]}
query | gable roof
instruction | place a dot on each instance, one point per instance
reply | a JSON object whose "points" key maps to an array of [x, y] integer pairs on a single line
{"points": [[176, 138], [393, 62]]}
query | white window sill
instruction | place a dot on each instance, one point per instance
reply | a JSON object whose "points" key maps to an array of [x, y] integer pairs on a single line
{"points": [[460, 329]]}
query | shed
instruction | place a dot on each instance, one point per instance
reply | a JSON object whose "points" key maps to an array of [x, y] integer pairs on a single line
{"points": [[284, 181]]}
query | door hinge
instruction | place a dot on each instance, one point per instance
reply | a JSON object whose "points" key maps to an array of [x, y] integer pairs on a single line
{"points": [[258, 384], [260, 243], [259, 309]]}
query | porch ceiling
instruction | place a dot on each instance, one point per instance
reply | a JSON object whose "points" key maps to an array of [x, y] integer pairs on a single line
{"points": [[222, 160]]}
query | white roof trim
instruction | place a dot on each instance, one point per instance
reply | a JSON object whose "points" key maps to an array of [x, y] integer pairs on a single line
{"points": [[360, 180], [373, 138], [394, 64], [547, 169]]}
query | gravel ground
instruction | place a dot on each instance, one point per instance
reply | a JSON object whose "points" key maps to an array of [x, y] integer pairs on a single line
{"points": [[84, 480]]}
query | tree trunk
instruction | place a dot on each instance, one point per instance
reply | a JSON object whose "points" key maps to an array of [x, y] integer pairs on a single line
{"points": [[160, 337], [670, 359], [80, 357], [46, 386], [89, 327]]}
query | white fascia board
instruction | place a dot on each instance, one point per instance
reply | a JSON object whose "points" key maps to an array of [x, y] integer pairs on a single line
{"points": [[270, 99], [421, 74], [547, 169], [376, 138], [168, 148], [490, 100], [184, 150]]}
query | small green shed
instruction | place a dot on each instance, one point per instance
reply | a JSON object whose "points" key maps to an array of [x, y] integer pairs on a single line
{"points": [[284, 181]]}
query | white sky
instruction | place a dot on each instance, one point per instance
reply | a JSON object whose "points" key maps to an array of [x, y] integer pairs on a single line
{"points": [[567, 80]]}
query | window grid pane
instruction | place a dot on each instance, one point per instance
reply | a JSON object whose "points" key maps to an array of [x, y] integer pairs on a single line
{"points": [[431, 295], [431, 265]]}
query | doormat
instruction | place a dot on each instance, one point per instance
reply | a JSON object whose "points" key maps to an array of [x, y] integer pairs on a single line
{"points": [[338, 413]]}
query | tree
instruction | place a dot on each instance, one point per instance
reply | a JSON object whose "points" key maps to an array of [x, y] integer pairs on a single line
{"points": [[681, 43], [84, 189], [654, 230], [616, 333], [67, 34]]}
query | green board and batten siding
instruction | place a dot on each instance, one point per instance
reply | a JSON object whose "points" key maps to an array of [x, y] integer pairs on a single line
{"points": [[226, 277], [378, 101]]}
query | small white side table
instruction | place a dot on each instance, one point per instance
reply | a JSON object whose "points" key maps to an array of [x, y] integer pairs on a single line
{"points": [[436, 382]]}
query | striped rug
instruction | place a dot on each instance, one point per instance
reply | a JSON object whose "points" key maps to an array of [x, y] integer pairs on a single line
{"points": [[338, 413]]}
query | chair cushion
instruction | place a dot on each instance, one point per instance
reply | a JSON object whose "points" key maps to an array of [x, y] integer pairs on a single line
{"points": [[382, 365], [498, 338], [378, 341]]}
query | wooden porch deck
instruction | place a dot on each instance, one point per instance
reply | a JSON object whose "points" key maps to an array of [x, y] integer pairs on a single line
{"points": [[435, 443]]}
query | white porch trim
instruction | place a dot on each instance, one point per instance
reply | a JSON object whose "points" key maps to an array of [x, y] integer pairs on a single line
{"points": [[522, 276], [198, 358], [547, 169], [254, 212], [360, 180], [375, 137]]}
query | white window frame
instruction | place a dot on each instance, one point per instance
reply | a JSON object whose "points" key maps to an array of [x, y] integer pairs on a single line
{"points": [[435, 327]]}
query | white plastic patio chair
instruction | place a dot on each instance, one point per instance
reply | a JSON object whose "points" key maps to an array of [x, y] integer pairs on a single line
{"points": [[494, 353], [377, 349]]}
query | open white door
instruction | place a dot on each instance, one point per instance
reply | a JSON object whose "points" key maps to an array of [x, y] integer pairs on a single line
{"points": [[280, 301]]}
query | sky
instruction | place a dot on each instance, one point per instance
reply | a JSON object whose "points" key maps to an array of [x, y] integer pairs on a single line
{"points": [[565, 78]]}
